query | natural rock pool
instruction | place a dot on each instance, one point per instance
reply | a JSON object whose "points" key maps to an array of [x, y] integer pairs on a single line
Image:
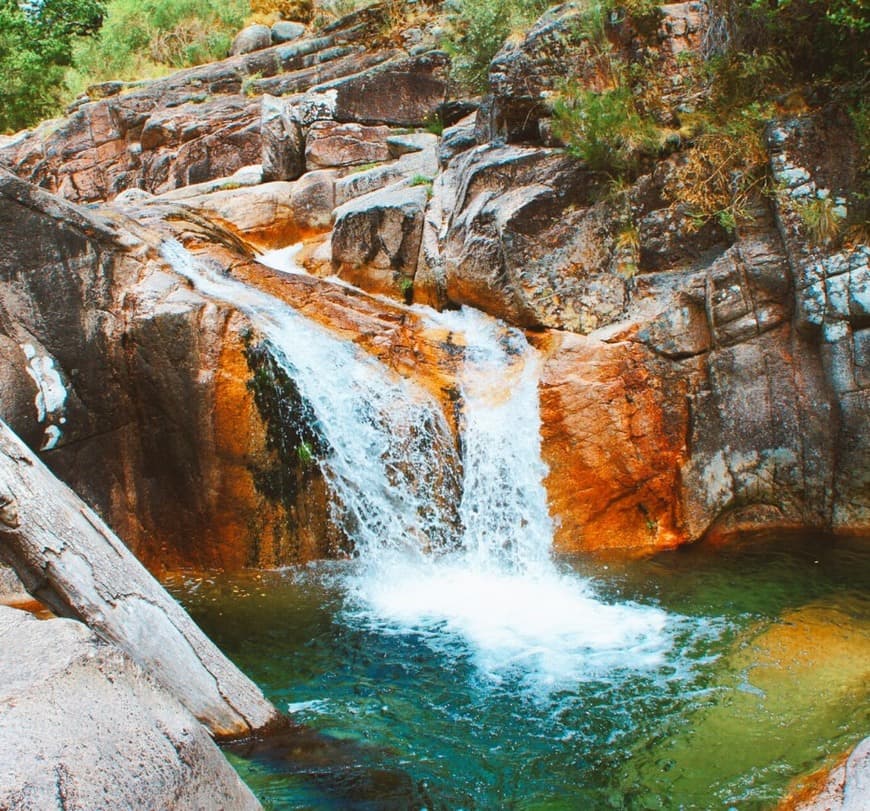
{"points": [[702, 678]]}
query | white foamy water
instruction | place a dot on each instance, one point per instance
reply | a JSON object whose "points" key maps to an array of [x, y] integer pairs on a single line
{"points": [[283, 259], [388, 441], [489, 589], [499, 598]]}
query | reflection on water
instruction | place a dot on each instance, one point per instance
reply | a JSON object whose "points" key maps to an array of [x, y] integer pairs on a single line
{"points": [[764, 675]]}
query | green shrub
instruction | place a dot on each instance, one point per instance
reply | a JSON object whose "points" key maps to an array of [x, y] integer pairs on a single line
{"points": [[604, 129], [478, 28], [142, 38], [36, 46]]}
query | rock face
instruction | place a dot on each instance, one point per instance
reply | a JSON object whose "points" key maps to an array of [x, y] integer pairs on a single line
{"points": [[73, 563], [83, 727], [136, 388], [696, 381]]}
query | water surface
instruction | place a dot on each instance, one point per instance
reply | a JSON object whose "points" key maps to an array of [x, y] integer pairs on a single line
{"points": [[693, 679]]}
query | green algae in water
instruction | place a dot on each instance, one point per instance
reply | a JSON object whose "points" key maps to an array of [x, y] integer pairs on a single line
{"points": [[765, 677]]}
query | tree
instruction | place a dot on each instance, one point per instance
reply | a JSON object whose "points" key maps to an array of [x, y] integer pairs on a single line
{"points": [[36, 43]]}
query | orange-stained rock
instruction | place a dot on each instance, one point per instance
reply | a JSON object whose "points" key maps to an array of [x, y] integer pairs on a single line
{"points": [[614, 437], [397, 336]]}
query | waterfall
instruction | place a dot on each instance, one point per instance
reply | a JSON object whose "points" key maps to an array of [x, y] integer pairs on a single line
{"points": [[390, 454], [493, 593]]}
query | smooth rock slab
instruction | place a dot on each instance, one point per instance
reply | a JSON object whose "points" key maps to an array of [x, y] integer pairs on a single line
{"points": [[84, 727]]}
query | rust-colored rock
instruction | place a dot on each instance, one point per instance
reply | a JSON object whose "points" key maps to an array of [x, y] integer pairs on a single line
{"points": [[614, 428]]}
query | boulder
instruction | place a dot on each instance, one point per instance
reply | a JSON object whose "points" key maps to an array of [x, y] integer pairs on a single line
{"points": [[283, 155], [376, 239], [520, 239], [406, 92], [149, 415], [286, 31], [84, 727], [264, 215], [312, 201], [330, 144], [252, 38], [72, 562]]}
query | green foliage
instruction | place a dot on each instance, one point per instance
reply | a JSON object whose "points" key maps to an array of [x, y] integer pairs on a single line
{"points": [[406, 288], [36, 45], [815, 37], [821, 220], [604, 129], [478, 28], [434, 124], [142, 38]]}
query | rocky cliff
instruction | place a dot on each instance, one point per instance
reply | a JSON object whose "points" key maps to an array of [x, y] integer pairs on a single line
{"points": [[698, 381]]}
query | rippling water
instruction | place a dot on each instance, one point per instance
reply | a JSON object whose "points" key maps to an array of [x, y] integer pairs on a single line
{"points": [[750, 666]]}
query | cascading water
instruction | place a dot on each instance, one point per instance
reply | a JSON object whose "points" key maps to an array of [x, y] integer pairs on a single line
{"points": [[493, 593], [389, 444], [499, 594]]}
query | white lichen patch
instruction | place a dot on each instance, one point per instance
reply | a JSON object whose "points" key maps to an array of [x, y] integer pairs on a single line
{"points": [[51, 438], [51, 393]]}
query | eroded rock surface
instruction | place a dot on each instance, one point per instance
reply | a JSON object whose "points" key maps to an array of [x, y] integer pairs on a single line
{"points": [[83, 727]]}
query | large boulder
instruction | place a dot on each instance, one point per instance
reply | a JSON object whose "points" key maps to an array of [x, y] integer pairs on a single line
{"points": [[251, 38], [83, 727], [376, 239], [330, 144], [136, 386]]}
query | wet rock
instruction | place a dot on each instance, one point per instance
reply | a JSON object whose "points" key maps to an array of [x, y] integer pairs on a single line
{"points": [[147, 384], [83, 727], [253, 38], [376, 239], [846, 788]]}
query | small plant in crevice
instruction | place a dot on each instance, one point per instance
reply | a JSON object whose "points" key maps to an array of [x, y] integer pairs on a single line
{"points": [[821, 220], [406, 288], [434, 124], [248, 83]]}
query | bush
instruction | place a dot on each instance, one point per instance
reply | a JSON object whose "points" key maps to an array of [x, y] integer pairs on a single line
{"points": [[478, 29], [36, 45], [142, 38], [604, 129]]}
